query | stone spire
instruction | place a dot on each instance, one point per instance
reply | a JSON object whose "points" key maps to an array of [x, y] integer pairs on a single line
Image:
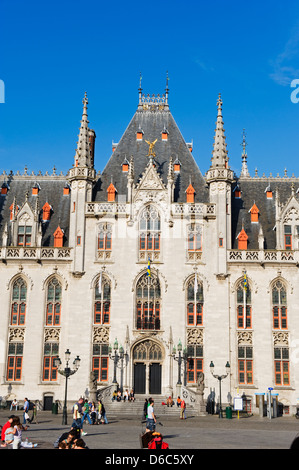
{"points": [[219, 158], [82, 157], [244, 171]]}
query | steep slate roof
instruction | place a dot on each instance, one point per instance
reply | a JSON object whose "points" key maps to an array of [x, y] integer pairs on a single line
{"points": [[253, 191], [51, 191], [152, 123]]}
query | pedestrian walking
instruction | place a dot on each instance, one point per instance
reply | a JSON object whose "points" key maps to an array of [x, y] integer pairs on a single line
{"points": [[25, 411], [86, 413], [93, 413], [145, 406], [151, 418], [34, 414], [77, 416], [104, 419], [183, 410]]}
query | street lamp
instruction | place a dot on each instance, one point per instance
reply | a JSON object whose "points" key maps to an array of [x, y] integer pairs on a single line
{"points": [[66, 372], [119, 354], [181, 357], [220, 378]]}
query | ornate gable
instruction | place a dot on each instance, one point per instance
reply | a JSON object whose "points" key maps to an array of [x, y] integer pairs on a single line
{"points": [[150, 180]]}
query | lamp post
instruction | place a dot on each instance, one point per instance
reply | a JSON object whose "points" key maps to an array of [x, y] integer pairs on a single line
{"points": [[220, 378], [180, 358], [66, 372], [119, 355]]}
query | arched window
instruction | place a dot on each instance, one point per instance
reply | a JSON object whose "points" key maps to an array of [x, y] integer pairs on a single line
{"points": [[148, 303], [149, 230], [194, 237], [244, 311], [105, 237], [102, 299], [18, 305], [53, 312], [279, 306], [194, 302]]}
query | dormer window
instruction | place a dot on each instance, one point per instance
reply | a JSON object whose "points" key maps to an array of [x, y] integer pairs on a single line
{"points": [[58, 237], [125, 166], [35, 189], [190, 191], [111, 192], [242, 240], [4, 189], [66, 190], [177, 166], [47, 211], [254, 212], [139, 134], [164, 135]]}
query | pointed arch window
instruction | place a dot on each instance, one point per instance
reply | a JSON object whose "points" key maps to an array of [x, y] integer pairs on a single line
{"points": [[148, 303], [195, 302], [105, 237], [194, 237], [18, 304], [279, 306], [102, 301], [244, 308], [149, 230], [53, 313]]}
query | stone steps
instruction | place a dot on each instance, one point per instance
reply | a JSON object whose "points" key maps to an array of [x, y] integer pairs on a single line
{"points": [[114, 408]]}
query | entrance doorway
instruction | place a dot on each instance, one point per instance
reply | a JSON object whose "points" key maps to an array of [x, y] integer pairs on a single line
{"points": [[139, 378], [155, 379], [147, 366]]}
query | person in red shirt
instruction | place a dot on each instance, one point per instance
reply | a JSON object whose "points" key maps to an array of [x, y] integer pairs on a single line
{"points": [[6, 426], [157, 442]]}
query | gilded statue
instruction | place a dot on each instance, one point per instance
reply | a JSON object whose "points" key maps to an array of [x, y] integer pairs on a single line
{"points": [[151, 148]]}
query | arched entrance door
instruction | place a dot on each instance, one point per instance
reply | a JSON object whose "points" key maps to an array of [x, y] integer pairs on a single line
{"points": [[147, 361]]}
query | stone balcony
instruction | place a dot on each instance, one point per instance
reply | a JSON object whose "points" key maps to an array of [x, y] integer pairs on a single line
{"points": [[263, 256], [94, 209], [35, 253]]}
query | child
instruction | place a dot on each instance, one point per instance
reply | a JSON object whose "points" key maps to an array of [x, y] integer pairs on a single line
{"points": [[17, 432]]}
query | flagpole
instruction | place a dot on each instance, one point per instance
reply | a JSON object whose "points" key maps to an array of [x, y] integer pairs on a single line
{"points": [[244, 299], [195, 292]]}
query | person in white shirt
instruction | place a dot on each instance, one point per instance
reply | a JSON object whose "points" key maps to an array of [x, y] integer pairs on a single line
{"points": [[151, 418]]}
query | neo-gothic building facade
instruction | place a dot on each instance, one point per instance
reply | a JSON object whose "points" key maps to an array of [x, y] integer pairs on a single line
{"points": [[76, 252]]}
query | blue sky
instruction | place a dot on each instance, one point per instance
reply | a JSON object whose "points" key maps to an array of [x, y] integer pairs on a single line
{"points": [[52, 52]]}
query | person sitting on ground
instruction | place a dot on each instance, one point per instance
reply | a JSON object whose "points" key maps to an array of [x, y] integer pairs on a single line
{"points": [[79, 444], [132, 396], [9, 435], [178, 402], [68, 438], [169, 401], [4, 427]]}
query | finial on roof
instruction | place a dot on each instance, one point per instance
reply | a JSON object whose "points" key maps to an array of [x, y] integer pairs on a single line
{"points": [[244, 171], [219, 158]]}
